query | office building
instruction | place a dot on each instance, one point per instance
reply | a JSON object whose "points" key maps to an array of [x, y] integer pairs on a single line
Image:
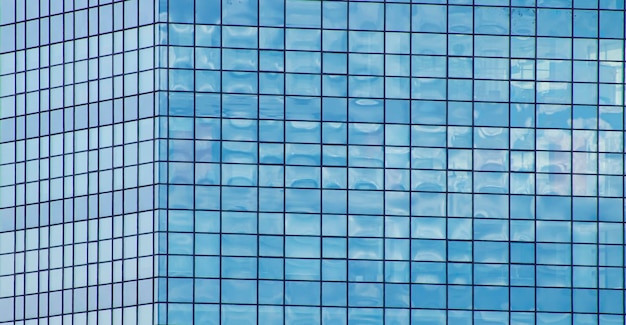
{"points": [[312, 162]]}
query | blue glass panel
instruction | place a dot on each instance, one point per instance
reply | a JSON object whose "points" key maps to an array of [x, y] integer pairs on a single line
{"points": [[294, 290], [303, 14], [334, 294], [552, 299], [180, 313], [271, 268], [240, 13], [271, 292], [436, 296], [302, 269], [273, 13], [554, 22], [365, 295], [334, 270], [239, 291], [238, 314]]}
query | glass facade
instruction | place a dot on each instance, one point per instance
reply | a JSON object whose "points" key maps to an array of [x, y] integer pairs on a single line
{"points": [[312, 162], [77, 186]]}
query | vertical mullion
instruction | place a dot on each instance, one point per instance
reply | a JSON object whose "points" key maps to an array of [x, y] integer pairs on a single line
{"points": [[123, 163], [62, 161], [73, 153], [137, 168], [535, 162], [622, 100], [409, 104], [509, 168], [258, 150], [165, 232], [348, 159], [221, 25], [472, 159], [571, 234], [320, 173], [284, 161], [15, 163], [47, 289], [193, 181], [597, 166], [384, 147], [446, 188], [87, 176]]}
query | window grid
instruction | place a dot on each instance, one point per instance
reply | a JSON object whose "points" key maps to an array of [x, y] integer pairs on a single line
{"points": [[488, 186]]}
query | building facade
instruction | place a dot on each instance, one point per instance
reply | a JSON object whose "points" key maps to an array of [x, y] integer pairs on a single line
{"points": [[312, 162]]}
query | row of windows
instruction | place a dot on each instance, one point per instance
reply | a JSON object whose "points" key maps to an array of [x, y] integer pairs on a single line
{"points": [[242, 314], [78, 164], [105, 46], [243, 111], [247, 152], [80, 232], [355, 271], [394, 65], [207, 291], [34, 36], [454, 271], [16, 171], [587, 211], [390, 111], [130, 154], [37, 127], [603, 4], [267, 314], [405, 17], [262, 136], [79, 300], [298, 200], [399, 201], [17, 10], [135, 199], [336, 63], [237, 82], [185, 313], [52, 276], [309, 177], [82, 71], [584, 212], [72, 209], [128, 315], [394, 42], [82, 93], [50, 30], [392, 249], [395, 177], [359, 245], [78, 116], [363, 248], [390, 134], [428, 204], [585, 272], [581, 233], [395, 295], [487, 127]]}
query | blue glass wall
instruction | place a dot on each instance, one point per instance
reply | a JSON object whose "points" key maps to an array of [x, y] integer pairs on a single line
{"points": [[312, 162], [400, 162], [76, 162]]}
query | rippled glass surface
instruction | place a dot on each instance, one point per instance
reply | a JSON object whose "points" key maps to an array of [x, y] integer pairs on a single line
{"points": [[312, 162]]}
